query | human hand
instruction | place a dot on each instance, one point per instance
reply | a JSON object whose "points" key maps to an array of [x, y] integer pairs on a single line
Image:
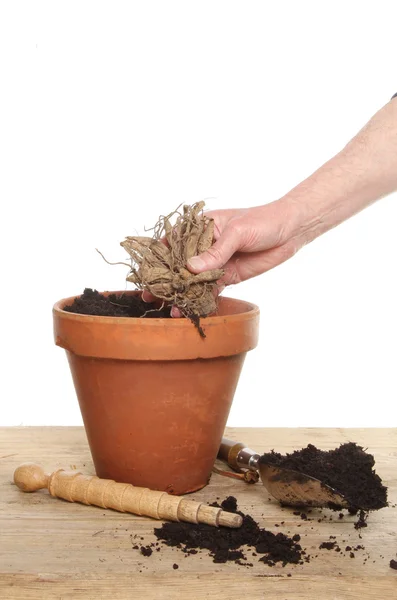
{"points": [[251, 241]]}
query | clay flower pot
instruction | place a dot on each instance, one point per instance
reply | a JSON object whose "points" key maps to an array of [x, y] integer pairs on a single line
{"points": [[153, 394]]}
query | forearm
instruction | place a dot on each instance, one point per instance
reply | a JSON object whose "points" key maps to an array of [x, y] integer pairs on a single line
{"points": [[363, 172]]}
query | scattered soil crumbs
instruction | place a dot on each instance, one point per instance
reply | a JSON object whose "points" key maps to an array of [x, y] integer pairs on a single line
{"points": [[348, 551], [348, 469], [327, 545], [362, 520], [93, 303], [244, 544], [224, 544]]}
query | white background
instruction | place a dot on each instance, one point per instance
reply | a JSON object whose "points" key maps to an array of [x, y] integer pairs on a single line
{"points": [[112, 113]]}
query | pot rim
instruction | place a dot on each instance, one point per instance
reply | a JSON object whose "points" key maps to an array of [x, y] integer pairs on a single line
{"points": [[163, 339], [251, 310]]}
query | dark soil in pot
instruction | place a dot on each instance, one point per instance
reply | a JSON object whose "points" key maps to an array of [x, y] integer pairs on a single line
{"points": [[93, 303]]}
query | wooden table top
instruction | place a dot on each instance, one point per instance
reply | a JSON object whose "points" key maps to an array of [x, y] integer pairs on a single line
{"points": [[50, 548]]}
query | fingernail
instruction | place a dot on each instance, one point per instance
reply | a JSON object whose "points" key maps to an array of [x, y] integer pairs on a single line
{"points": [[196, 263]]}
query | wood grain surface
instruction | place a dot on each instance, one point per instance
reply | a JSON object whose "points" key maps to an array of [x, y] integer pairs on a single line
{"points": [[50, 548]]}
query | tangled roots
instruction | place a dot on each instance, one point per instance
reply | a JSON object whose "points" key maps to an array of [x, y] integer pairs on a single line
{"points": [[160, 268]]}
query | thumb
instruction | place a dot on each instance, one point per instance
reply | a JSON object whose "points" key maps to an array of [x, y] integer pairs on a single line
{"points": [[216, 256]]}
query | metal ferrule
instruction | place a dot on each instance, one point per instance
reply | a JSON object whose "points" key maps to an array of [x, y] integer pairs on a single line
{"points": [[248, 459]]}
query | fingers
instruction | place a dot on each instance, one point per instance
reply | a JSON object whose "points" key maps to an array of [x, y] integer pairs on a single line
{"points": [[176, 313], [218, 255], [148, 297], [244, 266]]}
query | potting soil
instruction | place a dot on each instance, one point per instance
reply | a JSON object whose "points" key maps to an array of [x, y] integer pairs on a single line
{"points": [[225, 544], [92, 302], [233, 545]]}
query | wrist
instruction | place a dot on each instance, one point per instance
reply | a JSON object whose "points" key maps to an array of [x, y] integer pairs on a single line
{"points": [[338, 190], [362, 173]]}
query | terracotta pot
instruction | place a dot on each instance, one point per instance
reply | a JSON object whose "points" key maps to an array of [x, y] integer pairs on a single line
{"points": [[154, 395]]}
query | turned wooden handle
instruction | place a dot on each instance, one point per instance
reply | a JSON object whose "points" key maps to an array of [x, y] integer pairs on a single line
{"points": [[228, 452], [73, 486]]}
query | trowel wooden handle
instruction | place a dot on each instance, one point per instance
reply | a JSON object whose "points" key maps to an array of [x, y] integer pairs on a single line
{"points": [[238, 456], [228, 452], [73, 486]]}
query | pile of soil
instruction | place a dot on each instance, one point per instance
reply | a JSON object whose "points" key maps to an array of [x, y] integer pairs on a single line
{"points": [[225, 544], [348, 469], [92, 302]]}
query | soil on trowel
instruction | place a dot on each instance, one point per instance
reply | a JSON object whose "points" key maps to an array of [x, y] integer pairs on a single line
{"points": [[226, 544], [93, 303], [348, 469]]}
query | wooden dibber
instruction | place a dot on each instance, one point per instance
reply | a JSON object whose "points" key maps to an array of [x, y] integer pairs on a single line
{"points": [[73, 486]]}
